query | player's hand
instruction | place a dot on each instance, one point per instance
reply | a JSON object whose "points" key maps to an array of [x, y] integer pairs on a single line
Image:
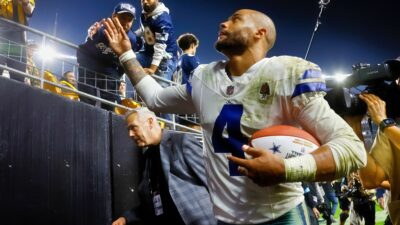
{"points": [[116, 36], [120, 221], [264, 168], [93, 29], [376, 107]]}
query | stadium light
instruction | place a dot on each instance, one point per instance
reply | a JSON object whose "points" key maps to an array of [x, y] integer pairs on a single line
{"points": [[46, 53], [339, 77]]}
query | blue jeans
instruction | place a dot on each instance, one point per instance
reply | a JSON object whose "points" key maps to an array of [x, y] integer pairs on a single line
{"points": [[165, 70], [331, 196], [296, 216]]}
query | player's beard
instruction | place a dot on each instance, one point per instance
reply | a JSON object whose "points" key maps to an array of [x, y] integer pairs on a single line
{"points": [[233, 44]]}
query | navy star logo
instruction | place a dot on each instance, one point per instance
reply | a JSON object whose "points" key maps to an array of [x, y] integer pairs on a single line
{"points": [[275, 148]]}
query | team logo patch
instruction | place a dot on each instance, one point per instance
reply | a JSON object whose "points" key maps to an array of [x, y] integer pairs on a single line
{"points": [[264, 91], [230, 89]]}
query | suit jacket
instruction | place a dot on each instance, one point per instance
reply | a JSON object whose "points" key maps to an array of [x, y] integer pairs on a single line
{"points": [[183, 167]]}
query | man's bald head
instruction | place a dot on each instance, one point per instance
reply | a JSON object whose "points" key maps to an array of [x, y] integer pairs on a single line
{"points": [[246, 31], [261, 20]]}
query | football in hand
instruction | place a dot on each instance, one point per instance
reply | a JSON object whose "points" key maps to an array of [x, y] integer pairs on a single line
{"points": [[285, 141]]}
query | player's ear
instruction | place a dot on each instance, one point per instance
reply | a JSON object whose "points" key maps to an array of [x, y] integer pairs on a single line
{"points": [[261, 33]]}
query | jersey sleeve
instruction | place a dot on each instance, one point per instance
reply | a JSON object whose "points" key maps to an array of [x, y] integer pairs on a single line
{"points": [[315, 115], [172, 99], [162, 32], [193, 62]]}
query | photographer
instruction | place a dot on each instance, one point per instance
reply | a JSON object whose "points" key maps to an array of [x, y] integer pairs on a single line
{"points": [[362, 202], [381, 97], [316, 203], [385, 153], [382, 196], [340, 186]]}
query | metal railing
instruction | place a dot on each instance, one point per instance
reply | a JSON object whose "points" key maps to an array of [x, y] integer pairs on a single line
{"points": [[45, 38]]}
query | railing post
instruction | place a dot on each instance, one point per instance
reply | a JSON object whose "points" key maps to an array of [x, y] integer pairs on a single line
{"points": [[43, 63]]}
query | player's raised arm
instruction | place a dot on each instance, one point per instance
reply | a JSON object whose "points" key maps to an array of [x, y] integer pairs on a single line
{"points": [[173, 99], [121, 45]]}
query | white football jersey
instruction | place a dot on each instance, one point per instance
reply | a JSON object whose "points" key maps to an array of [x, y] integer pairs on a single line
{"points": [[230, 112], [278, 90]]}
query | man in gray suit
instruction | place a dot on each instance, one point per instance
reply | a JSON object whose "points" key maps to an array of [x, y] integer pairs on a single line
{"points": [[173, 187]]}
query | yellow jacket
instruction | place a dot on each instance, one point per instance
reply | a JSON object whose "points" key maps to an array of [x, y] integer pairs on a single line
{"points": [[7, 11]]}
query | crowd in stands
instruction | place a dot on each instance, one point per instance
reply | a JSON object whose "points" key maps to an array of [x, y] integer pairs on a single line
{"points": [[99, 71]]}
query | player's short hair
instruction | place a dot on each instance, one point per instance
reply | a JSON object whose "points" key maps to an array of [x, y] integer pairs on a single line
{"points": [[186, 40]]}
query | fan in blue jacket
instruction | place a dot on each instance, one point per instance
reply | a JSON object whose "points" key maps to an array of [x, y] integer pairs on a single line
{"points": [[160, 53], [100, 70]]}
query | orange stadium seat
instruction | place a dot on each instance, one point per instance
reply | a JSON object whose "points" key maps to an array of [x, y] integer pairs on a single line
{"points": [[52, 88], [50, 77], [128, 102]]}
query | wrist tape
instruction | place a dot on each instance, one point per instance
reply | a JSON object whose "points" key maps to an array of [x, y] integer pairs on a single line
{"points": [[303, 168], [126, 56]]}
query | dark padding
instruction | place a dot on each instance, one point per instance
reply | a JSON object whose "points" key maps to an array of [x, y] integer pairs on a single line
{"points": [[54, 159]]}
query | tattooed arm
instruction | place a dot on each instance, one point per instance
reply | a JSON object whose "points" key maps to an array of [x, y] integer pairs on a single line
{"points": [[134, 71]]}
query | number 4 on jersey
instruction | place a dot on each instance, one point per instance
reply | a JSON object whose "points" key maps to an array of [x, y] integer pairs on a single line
{"points": [[229, 118]]}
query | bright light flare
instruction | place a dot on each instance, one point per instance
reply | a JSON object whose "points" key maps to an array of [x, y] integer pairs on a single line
{"points": [[63, 56], [339, 77], [47, 53]]}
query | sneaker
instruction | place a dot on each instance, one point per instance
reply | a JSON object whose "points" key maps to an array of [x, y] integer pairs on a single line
{"points": [[333, 219]]}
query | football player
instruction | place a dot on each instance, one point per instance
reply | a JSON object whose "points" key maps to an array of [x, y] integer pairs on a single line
{"points": [[237, 97]]}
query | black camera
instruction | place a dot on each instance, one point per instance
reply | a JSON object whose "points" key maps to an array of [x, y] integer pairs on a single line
{"points": [[378, 79], [354, 191], [325, 211]]}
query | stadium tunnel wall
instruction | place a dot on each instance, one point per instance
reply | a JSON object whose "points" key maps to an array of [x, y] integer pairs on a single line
{"points": [[62, 162]]}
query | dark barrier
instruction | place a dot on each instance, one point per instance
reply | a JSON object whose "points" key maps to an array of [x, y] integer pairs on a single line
{"points": [[125, 167], [55, 160]]}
